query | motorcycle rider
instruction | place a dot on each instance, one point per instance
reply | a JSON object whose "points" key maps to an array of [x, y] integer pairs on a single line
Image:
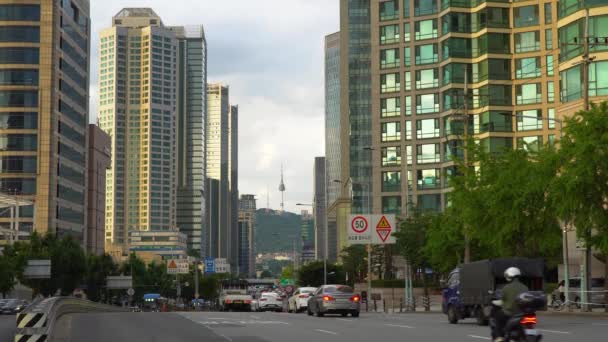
{"points": [[510, 292]]}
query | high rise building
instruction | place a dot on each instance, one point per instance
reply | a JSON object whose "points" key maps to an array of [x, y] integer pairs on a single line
{"points": [[137, 108], [99, 160], [44, 61], [246, 235], [191, 118], [307, 227], [222, 175], [233, 186], [319, 209]]}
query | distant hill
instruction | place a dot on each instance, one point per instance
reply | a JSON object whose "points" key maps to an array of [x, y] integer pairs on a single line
{"points": [[287, 225]]}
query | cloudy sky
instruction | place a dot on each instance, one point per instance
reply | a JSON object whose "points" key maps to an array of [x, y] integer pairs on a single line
{"points": [[270, 53]]}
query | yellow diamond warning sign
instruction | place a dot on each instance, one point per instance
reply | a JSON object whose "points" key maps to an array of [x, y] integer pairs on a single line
{"points": [[178, 266]]}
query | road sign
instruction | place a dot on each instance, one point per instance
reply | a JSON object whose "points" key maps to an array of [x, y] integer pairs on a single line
{"points": [[119, 282], [358, 232], [178, 266], [286, 281], [380, 232], [209, 265], [38, 269], [222, 265], [130, 291]]}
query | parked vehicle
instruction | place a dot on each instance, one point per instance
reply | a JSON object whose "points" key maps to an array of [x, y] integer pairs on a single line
{"points": [[596, 296], [14, 306], [334, 299], [271, 301], [298, 302], [469, 289]]}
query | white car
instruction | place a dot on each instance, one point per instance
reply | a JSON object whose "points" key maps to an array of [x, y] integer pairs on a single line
{"points": [[299, 301], [270, 301]]}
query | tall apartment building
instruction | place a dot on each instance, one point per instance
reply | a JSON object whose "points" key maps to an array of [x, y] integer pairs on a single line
{"points": [[44, 60], [191, 118], [420, 52], [99, 160], [319, 209], [137, 108], [246, 235], [222, 175]]}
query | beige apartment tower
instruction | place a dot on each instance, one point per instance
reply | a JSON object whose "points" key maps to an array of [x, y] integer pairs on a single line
{"points": [[44, 66], [137, 108]]}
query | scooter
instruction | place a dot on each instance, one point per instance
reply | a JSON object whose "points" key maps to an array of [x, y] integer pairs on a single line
{"points": [[521, 327]]}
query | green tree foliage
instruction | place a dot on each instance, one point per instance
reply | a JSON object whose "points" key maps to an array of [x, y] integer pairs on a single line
{"points": [[412, 236], [8, 273], [287, 272], [354, 262], [580, 190], [98, 268], [311, 274], [444, 247], [265, 274]]}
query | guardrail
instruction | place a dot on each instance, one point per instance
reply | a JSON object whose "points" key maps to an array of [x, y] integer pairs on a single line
{"points": [[36, 323]]}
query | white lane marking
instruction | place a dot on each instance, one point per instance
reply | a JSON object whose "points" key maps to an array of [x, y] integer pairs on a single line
{"points": [[326, 331], [480, 337], [400, 326], [600, 324], [224, 336], [345, 320], [555, 331]]}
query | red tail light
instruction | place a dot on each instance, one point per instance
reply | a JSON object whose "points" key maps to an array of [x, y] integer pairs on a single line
{"points": [[228, 301], [355, 299], [528, 320], [303, 296], [328, 298], [247, 301]]}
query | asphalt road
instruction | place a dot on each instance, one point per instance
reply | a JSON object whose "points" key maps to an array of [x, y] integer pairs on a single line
{"points": [[7, 327], [282, 327]]}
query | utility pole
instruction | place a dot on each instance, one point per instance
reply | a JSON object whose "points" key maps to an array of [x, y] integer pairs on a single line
{"points": [[467, 242]]}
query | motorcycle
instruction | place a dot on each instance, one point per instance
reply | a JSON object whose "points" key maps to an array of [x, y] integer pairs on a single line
{"points": [[521, 327]]}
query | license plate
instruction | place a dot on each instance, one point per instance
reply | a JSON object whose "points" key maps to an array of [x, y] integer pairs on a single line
{"points": [[238, 302], [342, 301], [532, 332]]}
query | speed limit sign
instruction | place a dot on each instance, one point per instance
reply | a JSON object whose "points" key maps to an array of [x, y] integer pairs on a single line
{"points": [[359, 224]]}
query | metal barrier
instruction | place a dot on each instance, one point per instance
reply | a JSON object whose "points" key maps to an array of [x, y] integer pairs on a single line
{"points": [[36, 323]]}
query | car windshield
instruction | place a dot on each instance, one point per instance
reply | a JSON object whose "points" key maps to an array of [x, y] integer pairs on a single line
{"points": [[339, 288]]}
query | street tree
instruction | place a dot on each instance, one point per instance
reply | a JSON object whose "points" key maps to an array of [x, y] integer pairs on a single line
{"points": [[8, 273], [354, 262]]}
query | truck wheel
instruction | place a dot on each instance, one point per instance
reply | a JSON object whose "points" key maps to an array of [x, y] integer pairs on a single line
{"points": [[452, 315], [481, 317]]}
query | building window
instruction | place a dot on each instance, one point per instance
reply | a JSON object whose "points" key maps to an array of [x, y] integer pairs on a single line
{"points": [[428, 153], [409, 154], [548, 13], [390, 107], [427, 129], [407, 56], [389, 34], [19, 55], [389, 58], [429, 202], [527, 41], [428, 78], [406, 32], [531, 143], [528, 93], [550, 65], [453, 150], [428, 103], [551, 118], [22, 34], [408, 130], [550, 92], [598, 82], [389, 10], [391, 204], [525, 16], [408, 80], [549, 39], [425, 7], [527, 67], [391, 131], [551, 139], [408, 105], [529, 120], [12, 12], [426, 54], [390, 83], [391, 156], [425, 29], [571, 84], [18, 98], [428, 179], [391, 181]]}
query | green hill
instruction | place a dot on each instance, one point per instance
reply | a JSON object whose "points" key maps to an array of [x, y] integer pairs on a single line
{"points": [[275, 232]]}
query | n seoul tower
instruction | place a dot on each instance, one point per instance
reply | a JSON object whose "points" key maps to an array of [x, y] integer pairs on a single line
{"points": [[282, 190]]}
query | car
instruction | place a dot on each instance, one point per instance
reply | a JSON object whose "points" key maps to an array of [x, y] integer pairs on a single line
{"points": [[298, 302], [270, 301], [334, 299], [14, 306]]}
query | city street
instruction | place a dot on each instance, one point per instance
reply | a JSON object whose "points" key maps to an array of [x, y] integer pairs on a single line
{"points": [[281, 327], [7, 327]]}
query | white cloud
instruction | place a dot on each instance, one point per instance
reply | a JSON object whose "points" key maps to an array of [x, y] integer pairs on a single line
{"points": [[270, 53]]}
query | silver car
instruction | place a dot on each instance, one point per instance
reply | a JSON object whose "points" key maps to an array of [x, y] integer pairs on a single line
{"points": [[334, 299]]}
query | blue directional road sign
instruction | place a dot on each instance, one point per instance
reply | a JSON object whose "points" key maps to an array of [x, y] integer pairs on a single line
{"points": [[209, 265]]}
